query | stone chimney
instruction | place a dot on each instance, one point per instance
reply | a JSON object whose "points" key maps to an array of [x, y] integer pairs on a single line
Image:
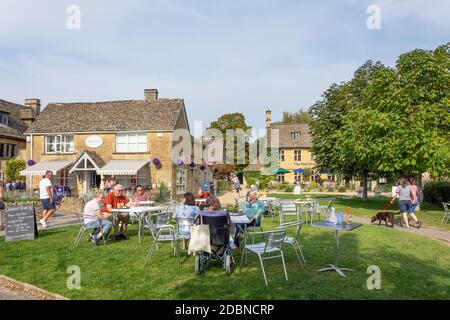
{"points": [[151, 94], [34, 104], [268, 118]]}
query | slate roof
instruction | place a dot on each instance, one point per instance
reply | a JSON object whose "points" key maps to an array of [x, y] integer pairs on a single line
{"points": [[128, 115], [285, 131], [16, 126]]}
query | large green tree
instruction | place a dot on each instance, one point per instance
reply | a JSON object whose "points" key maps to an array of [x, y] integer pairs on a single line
{"points": [[13, 168], [387, 121], [235, 121]]}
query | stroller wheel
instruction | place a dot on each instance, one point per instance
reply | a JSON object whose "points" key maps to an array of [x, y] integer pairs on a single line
{"points": [[198, 263], [228, 264]]}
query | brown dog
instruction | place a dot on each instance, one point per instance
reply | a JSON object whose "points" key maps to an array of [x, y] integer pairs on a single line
{"points": [[385, 216]]}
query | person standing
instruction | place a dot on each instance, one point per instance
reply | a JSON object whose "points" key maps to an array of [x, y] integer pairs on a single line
{"points": [[406, 198], [2, 195], [46, 198]]}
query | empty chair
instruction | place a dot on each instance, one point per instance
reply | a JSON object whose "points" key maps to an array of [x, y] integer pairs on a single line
{"points": [[295, 240], [313, 211], [270, 249], [289, 209], [164, 233], [446, 216]]}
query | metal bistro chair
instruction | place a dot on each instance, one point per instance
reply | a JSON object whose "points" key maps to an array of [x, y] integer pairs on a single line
{"points": [[184, 226], [83, 228], [289, 209], [295, 240], [164, 233], [313, 211], [446, 212], [270, 249]]}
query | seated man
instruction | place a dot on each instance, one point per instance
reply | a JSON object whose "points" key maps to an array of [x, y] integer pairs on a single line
{"points": [[93, 217], [253, 209], [114, 200], [140, 195], [202, 195]]}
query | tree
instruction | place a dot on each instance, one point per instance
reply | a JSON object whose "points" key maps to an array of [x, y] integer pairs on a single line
{"points": [[13, 168], [297, 117], [234, 121], [387, 121]]}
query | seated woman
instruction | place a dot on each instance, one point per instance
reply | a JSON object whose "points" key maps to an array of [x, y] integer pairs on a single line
{"points": [[253, 209], [213, 205], [140, 194], [186, 210]]}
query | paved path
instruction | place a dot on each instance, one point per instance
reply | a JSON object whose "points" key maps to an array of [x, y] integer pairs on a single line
{"points": [[7, 294], [441, 235]]}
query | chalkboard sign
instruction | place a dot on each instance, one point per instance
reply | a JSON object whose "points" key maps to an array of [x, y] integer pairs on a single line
{"points": [[20, 223]]}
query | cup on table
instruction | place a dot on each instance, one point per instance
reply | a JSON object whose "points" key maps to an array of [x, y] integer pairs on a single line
{"points": [[120, 205]]}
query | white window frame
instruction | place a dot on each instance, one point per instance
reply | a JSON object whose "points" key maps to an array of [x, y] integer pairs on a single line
{"points": [[4, 118], [281, 155], [295, 135], [63, 143], [297, 155], [181, 176], [131, 143]]}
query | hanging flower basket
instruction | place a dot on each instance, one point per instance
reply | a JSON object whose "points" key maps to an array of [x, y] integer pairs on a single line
{"points": [[192, 165], [156, 162], [203, 167], [31, 162], [179, 162]]}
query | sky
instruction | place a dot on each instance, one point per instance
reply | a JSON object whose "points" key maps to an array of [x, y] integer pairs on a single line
{"points": [[220, 56]]}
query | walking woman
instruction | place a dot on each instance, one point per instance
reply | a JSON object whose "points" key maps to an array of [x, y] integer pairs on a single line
{"points": [[406, 198], [2, 195]]}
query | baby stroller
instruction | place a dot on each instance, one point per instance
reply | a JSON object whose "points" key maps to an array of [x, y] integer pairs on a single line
{"points": [[219, 229]]}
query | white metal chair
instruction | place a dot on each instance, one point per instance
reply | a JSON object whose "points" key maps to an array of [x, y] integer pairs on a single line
{"points": [[270, 249], [289, 209], [83, 228], [446, 216], [313, 211], [165, 233], [294, 241]]}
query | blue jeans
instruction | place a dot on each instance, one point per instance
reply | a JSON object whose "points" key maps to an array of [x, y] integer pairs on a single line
{"points": [[106, 225], [241, 227]]}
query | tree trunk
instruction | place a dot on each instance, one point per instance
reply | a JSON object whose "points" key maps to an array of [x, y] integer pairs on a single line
{"points": [[365, 198]]}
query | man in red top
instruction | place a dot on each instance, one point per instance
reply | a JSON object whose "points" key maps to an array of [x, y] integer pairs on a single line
{"points": [[114, 200]]}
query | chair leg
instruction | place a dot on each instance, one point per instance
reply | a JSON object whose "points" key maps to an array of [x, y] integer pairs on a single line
{"points": [[284, 265], [298, 257], [79, 236], [301, 253], [150, 252], [263, 271]]}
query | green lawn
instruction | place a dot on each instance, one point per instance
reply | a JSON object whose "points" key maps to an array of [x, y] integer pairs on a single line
{"points": [[412, 267], [430, 214]]}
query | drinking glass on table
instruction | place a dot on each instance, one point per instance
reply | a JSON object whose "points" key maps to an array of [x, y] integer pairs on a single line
{"points": [[120, 205]]}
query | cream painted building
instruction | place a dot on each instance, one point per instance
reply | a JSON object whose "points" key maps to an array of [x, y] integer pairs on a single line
{"points": [[295, 154], [85, 143]]}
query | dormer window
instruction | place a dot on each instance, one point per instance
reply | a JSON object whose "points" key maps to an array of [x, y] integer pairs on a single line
{"points": [[3, 118], [295, 135]]}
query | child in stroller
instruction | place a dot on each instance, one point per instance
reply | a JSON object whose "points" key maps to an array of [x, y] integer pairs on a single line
{"points": [[219, 229]]}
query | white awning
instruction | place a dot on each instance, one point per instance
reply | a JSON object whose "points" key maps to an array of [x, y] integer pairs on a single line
{"points": [[39, 168], [122, 167]]}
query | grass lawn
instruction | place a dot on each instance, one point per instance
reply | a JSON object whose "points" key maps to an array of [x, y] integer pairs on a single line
{"points": [[412, 267], [431, 214]]}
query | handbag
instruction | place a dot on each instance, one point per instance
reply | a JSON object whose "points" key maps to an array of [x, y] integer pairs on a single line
{"points": [[200, 238]]}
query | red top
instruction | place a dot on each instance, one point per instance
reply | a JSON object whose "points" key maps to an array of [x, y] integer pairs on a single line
{"points": [[113, 201]]}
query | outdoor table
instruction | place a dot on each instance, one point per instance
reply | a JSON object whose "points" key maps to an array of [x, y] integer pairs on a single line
{"points": [[200, 200], [336, 228], [239, 219], [139, 212], [145, 203]]}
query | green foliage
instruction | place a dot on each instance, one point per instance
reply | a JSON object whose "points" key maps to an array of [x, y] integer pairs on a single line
{"points": [[437, 191], [264, 181], [297, 117], [387, 121], [289, 188], [234, 121], [164, 193], [223, 185], [13, 167]]}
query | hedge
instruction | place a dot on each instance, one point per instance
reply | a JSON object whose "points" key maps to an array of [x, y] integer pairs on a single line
{"points": [[437, 192]]}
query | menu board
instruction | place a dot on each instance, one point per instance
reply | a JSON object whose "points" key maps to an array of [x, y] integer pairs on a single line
{"points": [[20, 223]]}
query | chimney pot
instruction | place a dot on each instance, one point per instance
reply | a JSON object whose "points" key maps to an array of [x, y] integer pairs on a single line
{"points": [[268, 118], [34, 104], [151, 94]]}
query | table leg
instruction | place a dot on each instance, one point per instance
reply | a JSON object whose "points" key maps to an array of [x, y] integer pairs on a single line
{"points": [[335, 267], [116, 225], [139, 227]]}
